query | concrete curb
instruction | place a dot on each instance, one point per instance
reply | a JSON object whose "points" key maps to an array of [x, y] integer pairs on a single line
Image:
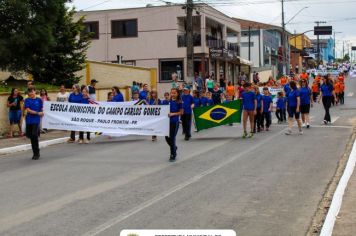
{"points": [[336, 203], [25, 147]]}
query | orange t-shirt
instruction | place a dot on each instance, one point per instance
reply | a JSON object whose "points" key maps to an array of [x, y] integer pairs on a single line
{"points": [[304, 76], [337, 87], [342, 87], [318, 79], [315, 88], [283, 81], [230, 90]]}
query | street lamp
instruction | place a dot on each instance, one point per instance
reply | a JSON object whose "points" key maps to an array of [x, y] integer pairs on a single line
{"points": [[335, 43], [296, 15]]}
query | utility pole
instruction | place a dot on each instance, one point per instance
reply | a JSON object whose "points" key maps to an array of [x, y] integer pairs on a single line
{"points": [[284, 51], [335, 43], [318, 41], [190, 43], [343, 49], [249, 43]]}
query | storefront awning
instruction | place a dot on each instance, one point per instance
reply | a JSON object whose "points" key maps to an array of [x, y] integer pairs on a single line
{"points": [[244, 61]]}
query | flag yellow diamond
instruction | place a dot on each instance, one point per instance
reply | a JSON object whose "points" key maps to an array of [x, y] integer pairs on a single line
{"points": [[218, 114]]}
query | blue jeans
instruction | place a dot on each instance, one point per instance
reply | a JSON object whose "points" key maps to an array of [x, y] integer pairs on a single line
{"points": [[15, 116]]}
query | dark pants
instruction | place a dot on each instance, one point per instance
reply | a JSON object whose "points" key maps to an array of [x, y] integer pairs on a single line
{"points": [[342, 98], [187, 124], [315, 96], [33, 132], [266, 119], [327, 104], [171, 140], [280, 115], [81, 135], [258, 119]]}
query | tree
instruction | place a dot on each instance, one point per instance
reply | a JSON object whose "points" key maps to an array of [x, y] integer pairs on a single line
{"points": [[67, 55], [40, 37], [346, 57]]}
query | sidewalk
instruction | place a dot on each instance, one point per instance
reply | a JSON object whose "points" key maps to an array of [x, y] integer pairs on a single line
{"points": [[346, 221], [11, 143]]}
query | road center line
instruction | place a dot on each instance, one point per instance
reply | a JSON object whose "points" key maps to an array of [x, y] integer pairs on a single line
{"points": [[121, 217]]}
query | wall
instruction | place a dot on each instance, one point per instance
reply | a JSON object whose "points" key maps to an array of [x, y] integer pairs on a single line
{"points": [[107, 74]]}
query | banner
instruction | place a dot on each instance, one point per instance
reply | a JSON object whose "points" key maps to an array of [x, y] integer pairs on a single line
{"points": [[109, 118], [274, 92], [217, 115]]}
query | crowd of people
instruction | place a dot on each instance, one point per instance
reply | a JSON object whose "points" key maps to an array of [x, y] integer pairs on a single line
{"points": [[295, 97]]}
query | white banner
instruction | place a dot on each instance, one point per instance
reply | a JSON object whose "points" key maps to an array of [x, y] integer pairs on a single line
{"points": [[113, 118], [274, 92]]}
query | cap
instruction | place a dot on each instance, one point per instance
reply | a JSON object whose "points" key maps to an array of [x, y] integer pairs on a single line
{"points": [[94, 81]]}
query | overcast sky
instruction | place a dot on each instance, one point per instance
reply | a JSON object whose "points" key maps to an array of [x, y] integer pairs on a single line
{"points": [[338, 13]]}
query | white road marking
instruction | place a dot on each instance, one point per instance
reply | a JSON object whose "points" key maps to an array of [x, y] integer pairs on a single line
{"points": [[32, 213], [334, 119], [335, 206], [121, 217], [350, 94]]}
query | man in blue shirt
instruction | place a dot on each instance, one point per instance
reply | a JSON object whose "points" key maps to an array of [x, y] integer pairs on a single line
{"points": [[188, 101], [34, 110]]}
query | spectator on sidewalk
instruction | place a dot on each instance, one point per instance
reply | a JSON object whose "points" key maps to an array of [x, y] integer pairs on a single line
{"points": [[34, 112], [62, 96], [92, 89], [14, 103]]}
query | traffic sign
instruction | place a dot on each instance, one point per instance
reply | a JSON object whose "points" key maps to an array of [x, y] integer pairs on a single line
{"points": [[323, 30]]}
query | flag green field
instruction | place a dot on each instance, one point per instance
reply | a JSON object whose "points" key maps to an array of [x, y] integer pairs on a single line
{"points": [[217, 115]]}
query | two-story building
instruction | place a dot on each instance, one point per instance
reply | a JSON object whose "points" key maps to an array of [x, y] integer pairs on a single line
{"points": [[156, 37], [300, 46]]}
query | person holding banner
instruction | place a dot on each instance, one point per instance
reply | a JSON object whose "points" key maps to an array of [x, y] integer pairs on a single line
{"points": [[75, 97], [34, 111], [176, 110], [293, 107], [85, 100], [188, 102], [249, 108], [118, 97]]}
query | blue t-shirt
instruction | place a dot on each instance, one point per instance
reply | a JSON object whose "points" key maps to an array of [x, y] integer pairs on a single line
{"points": [[188, 100], [143, 95], [165, 102], [153, 101], [209, 102], [281, 103], [292, 98], [174, 107], [118, 98], [248, 100], [85, 100], [304, 93], [286, 89], [267, 100], [327, 90], [75, 98], [197, 102], [259, 100], [35, 104], [204, 101]]}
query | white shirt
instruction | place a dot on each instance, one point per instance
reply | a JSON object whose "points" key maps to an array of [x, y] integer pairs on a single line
{"points": [[62, 97]]}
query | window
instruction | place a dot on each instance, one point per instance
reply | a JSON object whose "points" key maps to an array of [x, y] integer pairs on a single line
{"points": [[124, 28], [167, 67], [245, 44], [129, 63], [93, 28]]}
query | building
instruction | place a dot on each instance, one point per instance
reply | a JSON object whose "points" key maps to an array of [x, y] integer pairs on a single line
{"points": [[262, 45], [300, 47], [155, 37], [326, 49]]}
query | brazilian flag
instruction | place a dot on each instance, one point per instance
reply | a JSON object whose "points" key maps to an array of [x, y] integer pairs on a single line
{"points": [[217, 115]]}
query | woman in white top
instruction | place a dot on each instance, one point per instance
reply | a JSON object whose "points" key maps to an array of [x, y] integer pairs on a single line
{"points": [[62, 96]]}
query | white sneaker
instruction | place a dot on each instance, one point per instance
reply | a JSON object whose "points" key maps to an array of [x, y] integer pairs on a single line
{"points": [[303, 125], [300, 132], [288, 132]]}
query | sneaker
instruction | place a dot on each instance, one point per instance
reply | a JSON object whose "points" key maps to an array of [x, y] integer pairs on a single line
{"points": [[288, 132], [81, 141], [300, 132], [325, 122], [172, 158], [36, 157], [308, 126], [303, 125], [244, 135], [250, 135], [70, 141]]}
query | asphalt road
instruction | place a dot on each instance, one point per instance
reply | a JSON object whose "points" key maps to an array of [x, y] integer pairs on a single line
{"points": [[268, 185]]}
